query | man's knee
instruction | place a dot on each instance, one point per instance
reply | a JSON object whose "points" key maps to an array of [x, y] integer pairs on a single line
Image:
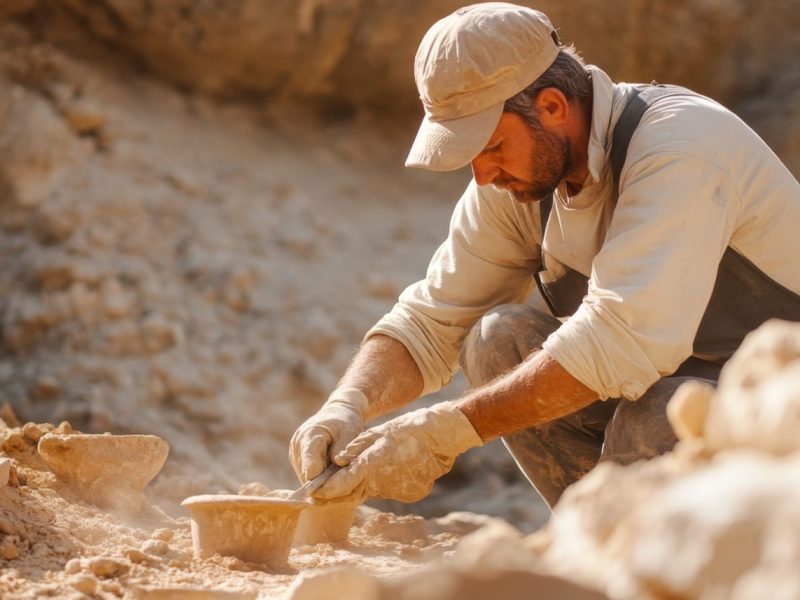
{"points": [[501, 339]]}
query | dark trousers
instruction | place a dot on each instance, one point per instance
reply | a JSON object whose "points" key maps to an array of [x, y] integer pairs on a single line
{"points": [[558, 453]]}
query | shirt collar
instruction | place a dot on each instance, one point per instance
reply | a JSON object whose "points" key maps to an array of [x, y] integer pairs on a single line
{"points": [[607, 102]]}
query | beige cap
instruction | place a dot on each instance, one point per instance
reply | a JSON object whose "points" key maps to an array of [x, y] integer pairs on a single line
{"points": [[466, 67]]}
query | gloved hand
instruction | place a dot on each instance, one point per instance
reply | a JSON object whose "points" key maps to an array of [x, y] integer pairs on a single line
{"points": [[401, 458], [326, 433]]}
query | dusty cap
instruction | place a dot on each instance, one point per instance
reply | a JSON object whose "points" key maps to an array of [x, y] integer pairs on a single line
{"points": [[466, 67]]}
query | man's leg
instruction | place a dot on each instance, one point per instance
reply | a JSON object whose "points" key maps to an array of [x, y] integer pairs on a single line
{"points": [[640, 430], [553, 455]]}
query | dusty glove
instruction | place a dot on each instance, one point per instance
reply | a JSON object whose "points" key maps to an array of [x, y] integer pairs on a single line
{"points": [[326, 433], [401, 458]]}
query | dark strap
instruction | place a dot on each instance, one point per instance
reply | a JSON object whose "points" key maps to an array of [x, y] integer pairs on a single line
{"points": [[640, 99]]}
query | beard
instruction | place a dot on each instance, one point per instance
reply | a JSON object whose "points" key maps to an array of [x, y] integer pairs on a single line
{"points": [[546, 170]]}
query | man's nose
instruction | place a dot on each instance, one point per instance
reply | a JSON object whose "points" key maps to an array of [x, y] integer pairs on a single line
{"points": [[484, 170]]}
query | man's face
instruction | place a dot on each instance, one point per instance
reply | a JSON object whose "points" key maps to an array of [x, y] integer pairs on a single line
{"points": [[529, 161]]}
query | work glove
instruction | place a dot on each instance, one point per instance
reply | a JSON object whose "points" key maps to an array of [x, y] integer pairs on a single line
{"points": [[400, 459], [326, 433]]}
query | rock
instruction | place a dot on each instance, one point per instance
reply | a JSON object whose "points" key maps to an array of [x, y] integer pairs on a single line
{"points": [[36, 148], [15, 479], [105, 567], [73, 566], [136, 556], [163, 534], [402, 529], [757, 403], [9, 547], [688, 408], [156, 547], [34, 431], [84, 583], [14, 441], [84, 117], [64, 428], [707, 532], [8, 415], [5, 471]]}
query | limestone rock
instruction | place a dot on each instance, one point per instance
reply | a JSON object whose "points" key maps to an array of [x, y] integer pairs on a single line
{"points": [[757, 404], [156, 547], [688, 408], [105, 567], [73, 566], [84, 583]]}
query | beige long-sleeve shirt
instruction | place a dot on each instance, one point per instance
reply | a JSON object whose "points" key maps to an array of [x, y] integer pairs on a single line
{"points": [[696, 180]]}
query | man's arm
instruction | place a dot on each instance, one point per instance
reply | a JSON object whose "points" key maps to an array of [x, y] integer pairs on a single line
{"points": [[384, 371], [536, 391], [382, 377], [401, 458]]}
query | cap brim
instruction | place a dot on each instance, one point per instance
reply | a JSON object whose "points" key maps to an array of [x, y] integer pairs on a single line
{"points": [[453, 143]]}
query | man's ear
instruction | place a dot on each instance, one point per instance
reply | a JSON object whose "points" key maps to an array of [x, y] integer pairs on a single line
{"points": [[552, 107]]}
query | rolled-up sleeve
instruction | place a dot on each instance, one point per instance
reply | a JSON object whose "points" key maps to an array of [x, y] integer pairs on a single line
{"points": [[654, 275], [488, 259]]}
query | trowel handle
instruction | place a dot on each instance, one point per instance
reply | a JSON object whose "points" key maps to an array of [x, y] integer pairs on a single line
{"points": [[312, 485]]}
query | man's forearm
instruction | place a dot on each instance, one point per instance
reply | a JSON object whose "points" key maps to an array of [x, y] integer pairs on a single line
{"points": [[386, 373], [536, 391]]}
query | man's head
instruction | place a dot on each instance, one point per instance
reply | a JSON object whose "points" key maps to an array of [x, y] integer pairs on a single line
{"points": [[497, 87]]}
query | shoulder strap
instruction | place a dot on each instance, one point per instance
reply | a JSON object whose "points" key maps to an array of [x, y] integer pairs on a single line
{"points": [[641, 98]]}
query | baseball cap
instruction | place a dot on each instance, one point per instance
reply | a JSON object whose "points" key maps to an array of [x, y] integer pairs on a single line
{"points": [[467, 65]]}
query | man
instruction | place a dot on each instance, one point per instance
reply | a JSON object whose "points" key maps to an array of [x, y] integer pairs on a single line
{"points": [[659, 228]]}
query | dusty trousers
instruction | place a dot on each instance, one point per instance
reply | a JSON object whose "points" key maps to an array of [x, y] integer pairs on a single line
{"points": [[558, 453]]}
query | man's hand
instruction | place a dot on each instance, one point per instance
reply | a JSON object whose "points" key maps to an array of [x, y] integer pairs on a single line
{"points": [[328, 432], [401, 458]]}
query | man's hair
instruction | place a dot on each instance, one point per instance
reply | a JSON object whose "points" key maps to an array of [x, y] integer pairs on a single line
{"points": [[567, 74]]}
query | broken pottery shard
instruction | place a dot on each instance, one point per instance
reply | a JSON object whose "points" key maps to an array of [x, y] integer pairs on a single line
{"points": [[251, 528], [104, 469]]}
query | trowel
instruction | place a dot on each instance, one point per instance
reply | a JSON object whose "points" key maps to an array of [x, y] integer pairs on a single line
{"points": [[312, 485]]}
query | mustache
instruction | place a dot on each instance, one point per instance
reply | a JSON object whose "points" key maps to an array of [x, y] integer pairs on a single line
{"points": [[507, 182]]}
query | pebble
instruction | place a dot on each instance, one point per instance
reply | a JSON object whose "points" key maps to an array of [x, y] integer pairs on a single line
{"points": [[165, 535], [157, 547], [65, 427], [136, 556], [8, 547], [73, 566], [106, 567], [14, 442], [34, 432], [84, 583], [84, 117]]}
